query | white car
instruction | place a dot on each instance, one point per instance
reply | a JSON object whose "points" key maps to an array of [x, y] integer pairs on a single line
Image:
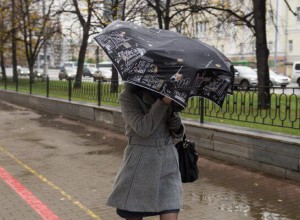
{"points": [[67, 73], [245, 77], [104, 71], [277, 79], [89, 69], [22, 71]]}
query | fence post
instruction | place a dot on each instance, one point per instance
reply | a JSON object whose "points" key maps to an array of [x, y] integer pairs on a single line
{"points": [[47, 86], [5, 82], [201, 109], [17, 83], [99, 92], [30, 83], [70, 88]]}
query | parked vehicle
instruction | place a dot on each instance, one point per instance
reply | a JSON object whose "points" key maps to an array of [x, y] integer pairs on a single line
{"points": [[244, 77], [104, 71], [277, 79], [67, 73], [68, 70], [23, 71], [296, 73], [87, 72], [38, 74], [89, 69]]}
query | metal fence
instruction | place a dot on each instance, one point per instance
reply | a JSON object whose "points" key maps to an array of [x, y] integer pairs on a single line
{"points": [[242, 106]]}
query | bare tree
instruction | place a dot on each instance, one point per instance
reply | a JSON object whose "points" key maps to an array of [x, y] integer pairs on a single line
{"points": [[7, 35], [171, 13], [262, 52], [14, 38], [36, 28], [4, 34], [83, 10], [94, 15], [255, 19]]}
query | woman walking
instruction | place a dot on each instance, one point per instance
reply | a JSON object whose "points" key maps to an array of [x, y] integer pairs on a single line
{"points": [[148, 182]]}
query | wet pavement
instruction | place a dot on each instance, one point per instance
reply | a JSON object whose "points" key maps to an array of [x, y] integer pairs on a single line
{"points": [[64, 169]]}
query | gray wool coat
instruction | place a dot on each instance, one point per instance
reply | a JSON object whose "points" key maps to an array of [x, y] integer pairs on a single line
{"points": [[149, 178]]}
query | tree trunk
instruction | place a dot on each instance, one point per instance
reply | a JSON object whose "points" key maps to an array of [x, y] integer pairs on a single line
{"points": [[114, 81], [2, 65], [167, 15], [262, 53], [81, 57], [97, 57], [2, 50], [159, 14], [13, 41], [31, 62]]}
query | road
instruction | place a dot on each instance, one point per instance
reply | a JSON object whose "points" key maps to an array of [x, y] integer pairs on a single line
{"points": [[52, 73]]}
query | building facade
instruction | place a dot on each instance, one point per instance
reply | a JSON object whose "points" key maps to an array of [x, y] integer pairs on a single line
{"points": [[238, 42]]}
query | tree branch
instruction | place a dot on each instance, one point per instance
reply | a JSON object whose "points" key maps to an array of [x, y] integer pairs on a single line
{"points": [[289, 7]]}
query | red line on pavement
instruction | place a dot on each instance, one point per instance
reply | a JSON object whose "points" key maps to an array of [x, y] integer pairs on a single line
{"points": [[27, 196]]}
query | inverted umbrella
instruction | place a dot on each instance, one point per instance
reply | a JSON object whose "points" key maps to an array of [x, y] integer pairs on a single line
{"points": [[167, 62]]}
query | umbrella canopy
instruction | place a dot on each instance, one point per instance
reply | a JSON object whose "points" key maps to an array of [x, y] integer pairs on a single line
{"points": [[167, 62]]}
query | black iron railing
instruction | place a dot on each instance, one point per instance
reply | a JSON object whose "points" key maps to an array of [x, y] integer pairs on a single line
{"points": [[242, 106]]}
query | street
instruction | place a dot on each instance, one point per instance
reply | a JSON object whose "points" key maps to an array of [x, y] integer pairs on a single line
{"points": [[53, 167], [53, 75]]}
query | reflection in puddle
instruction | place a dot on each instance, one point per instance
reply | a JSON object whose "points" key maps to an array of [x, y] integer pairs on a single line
{"points": [[266, 215], [232, 203], [235, 207], [224, 202]]}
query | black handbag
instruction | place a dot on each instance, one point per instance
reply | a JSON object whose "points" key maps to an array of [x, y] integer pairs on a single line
{"points": [[188, 157]]}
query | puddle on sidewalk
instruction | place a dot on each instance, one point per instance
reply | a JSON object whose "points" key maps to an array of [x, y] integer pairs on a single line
{"points": [[232, 189], [233, 203], [97, 141]]}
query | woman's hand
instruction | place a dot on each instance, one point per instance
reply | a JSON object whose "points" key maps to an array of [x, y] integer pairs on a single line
{"points": [[166, 100], [174, 123]]}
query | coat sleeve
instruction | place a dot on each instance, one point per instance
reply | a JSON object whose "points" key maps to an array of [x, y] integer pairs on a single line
{"points": [[177, 133], [143, 124]]}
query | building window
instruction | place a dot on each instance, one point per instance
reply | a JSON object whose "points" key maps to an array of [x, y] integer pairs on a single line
{"points": [[241, 46], [290, 46], [270, 45], [201, 28], [298, 14]]}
